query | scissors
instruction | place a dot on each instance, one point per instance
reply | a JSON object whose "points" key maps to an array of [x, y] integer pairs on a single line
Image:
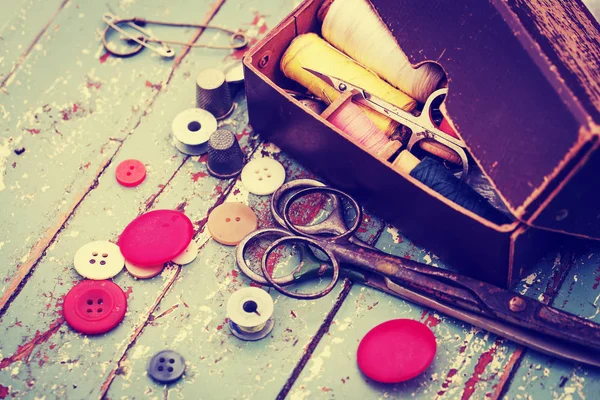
{"points": [[237, 39], [518, 318], [422, 127]]}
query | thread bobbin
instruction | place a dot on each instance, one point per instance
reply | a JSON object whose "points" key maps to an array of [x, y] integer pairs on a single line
{"points": [[191, 130], [250, 313]]}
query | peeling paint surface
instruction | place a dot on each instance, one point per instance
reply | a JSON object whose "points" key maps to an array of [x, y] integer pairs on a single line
{"points": [[70, 113]]}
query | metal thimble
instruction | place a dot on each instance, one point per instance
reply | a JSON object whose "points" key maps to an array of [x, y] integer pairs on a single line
{"points": [[212, 93], [225, 157]]}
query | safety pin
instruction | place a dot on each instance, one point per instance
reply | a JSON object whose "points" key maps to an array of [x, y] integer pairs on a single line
{"points": [[112, 21], [237, 40]]}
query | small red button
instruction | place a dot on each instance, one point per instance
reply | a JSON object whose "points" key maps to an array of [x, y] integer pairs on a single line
{"points": [[396, 351], [156, 237], [130, 173], [94, 307]]}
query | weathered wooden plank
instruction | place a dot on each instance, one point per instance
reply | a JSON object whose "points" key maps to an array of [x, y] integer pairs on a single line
{"points": [[469, 362], [64, 121], [22, 23], [542, 376]]}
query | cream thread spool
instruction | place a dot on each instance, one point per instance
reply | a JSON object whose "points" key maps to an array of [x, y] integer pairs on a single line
{"points": [[354, 27], [191, 130], [250, 313], [212, 93]]}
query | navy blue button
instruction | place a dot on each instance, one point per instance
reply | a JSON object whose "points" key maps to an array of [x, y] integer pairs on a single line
{"points": [[166, 366]]}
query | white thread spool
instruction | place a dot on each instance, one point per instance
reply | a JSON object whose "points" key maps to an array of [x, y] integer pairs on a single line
{"points": [[355, 28], [192, 129], [250, 312]]}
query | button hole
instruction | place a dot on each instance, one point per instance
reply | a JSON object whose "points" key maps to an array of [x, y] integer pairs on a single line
{"points": [[165, 225], [94, 253], [256, 172], [170, 369], [160, 368], [99, 310], [265, 169], [102, 262], [100, 301], [90, 302], [161, 359], [172, 361], [128, 173], [227, 219], [131, 167], [237, 219], [104, 255], [269, 175], [89, 310], [260, 178], [92, 261]]}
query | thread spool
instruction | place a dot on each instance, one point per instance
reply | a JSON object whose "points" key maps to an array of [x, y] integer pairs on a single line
{"points": [[355, 28], [352, 120], [250, 313], [191, 130], [433, 174], [311, 51], [212, 93]]}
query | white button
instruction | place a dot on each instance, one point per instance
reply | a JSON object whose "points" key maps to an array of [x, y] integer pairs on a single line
{"points": [[99, 260], [188, 255], [263, 176], [144, 272]]}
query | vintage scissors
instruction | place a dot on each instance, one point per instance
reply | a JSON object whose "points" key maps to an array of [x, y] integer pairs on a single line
{"points": [[237, 39], [518, 318], [422, 127]]}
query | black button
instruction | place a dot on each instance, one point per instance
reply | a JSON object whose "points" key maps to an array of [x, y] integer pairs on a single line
{"points": [[166, 366]]}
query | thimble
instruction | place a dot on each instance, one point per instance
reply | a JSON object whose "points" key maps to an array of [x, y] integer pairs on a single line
{"points": [[225, 157], [212, 93]]}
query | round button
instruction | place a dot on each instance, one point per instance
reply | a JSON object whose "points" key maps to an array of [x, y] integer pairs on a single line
{"points": [[396, 351], [99, 260], [156, 237], [144, 272], [229, 223], [263, 176], [130, 173], [94, 307], [166, 366], [189, 254]]}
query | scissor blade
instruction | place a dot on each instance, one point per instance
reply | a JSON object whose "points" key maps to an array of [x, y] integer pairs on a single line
{"points": [[525, 337], [321, 75]]}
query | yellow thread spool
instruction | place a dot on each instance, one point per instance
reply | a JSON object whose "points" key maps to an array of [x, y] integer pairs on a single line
{"points": [[311, 51]]}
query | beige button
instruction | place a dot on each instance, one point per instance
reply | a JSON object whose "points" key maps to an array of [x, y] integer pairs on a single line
{"points": [[99, 260], [144, 272], [188, 255], [229, 223]]}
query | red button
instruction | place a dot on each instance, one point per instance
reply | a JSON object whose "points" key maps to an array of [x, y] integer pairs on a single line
{"points": [[156, 237], [130, 173], [94, 307], [396, 351]]}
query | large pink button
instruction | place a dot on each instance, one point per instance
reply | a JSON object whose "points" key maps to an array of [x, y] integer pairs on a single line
{"points": [[156, 237], [396, 351]]}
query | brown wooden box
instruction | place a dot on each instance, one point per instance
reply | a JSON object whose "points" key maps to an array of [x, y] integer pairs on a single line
{"points": [[524, 94]]}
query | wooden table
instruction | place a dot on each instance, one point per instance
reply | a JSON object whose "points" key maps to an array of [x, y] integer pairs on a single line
{"points": [[70, 113]]}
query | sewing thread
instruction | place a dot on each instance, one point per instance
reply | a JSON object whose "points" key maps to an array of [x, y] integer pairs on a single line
{"points": [[352, 120], [354, 27], [311, 51]]}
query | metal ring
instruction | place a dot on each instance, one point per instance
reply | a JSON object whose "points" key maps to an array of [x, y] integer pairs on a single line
{"points": [[238, 35], [286, 187], [246, 270], [115, 53], [326, 189], [314, 243]]}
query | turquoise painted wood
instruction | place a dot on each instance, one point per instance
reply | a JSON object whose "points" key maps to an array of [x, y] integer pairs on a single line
{"points": [[71, 113]]}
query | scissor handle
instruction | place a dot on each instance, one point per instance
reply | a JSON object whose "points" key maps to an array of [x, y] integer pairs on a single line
{"points": [[313, 243], [339, 233]]}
